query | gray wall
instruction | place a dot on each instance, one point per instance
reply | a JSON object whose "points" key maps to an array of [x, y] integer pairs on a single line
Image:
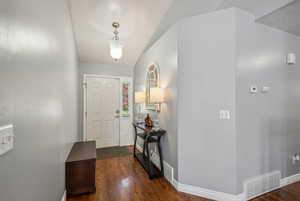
{"points": [[38, 94], [206, 85], [220, 55], [268, 129], [216, 69], [97, 69], [164, 53]]}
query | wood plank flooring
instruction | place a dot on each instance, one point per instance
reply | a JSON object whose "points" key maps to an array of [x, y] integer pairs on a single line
{"points": [[123, 179]]}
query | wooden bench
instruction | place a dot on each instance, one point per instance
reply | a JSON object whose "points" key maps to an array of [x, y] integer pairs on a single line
{"points": [[81, 169]]}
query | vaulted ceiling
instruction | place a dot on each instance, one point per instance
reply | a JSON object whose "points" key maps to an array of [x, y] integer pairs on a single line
{"points": [[184, 8], [92, 22], [143, 21], [286, 18]]}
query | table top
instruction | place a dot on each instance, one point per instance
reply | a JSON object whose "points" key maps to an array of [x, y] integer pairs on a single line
{"points": [[82, 151], [142, 126], [154, 131]]}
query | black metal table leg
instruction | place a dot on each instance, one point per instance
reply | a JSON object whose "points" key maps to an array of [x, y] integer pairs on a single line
{"points": [[149, 136], [160, 158], [148, 157], [135, 139], [144, 146]]}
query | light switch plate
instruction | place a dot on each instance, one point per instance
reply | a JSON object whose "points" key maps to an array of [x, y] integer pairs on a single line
{"points": [[6, 139], [224, 114]]}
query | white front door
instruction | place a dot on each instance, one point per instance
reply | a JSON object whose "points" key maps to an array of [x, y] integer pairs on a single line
{"points": [[102, 107]]}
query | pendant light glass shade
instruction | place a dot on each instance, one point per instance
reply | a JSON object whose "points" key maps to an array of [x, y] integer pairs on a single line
{"points": [[116, 49]]}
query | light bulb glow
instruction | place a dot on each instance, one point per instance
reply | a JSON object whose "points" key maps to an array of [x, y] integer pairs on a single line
{"points": [[116, 49]]}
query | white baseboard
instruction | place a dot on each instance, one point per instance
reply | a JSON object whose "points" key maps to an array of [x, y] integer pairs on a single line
{"points": [[289, 180], [219, 196], [201, 192], [64, 196], [193, 190], [207, 193]]}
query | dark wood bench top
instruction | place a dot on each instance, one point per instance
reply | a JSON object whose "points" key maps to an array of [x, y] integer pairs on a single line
{"points": [[82, 151]]}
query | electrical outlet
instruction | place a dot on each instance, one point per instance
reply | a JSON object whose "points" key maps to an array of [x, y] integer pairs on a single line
{"points": [[295, 159]]}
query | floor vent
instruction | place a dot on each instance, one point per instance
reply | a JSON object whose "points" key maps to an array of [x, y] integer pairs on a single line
{"points": [[259, 185]]}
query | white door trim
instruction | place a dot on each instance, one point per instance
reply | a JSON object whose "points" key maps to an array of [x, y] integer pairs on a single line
{"points": [[120, 78]]}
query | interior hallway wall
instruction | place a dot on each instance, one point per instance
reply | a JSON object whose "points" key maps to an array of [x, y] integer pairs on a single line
{"points": [[206, 85], [164, 53], [217, 68], [38, 94], [267, 123]]}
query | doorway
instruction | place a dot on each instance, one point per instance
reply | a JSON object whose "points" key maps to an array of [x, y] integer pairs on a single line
{"points": [[105, 118]]}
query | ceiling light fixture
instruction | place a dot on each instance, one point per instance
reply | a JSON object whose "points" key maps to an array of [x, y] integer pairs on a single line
{"points": [[116, 48]]}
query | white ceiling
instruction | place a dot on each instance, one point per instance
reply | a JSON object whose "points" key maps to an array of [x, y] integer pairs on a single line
{"points": [[258, 8], [180, 9], [144, 21], [184, 8], [92, 21]]}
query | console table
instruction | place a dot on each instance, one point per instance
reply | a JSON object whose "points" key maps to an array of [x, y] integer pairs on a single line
{"points": [[149, 135], [81, 168]]}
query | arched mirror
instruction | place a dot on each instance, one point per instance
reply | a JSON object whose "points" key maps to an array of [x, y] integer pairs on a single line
{"points": [[152, 81]]}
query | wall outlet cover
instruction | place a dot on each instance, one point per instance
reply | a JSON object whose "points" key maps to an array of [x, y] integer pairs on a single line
{"points": [[265, 89]]}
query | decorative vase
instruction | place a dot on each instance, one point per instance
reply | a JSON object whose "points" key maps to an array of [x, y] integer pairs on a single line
{"points": [[148, 121]]}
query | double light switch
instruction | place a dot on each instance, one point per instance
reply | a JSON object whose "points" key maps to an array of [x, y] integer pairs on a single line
{"points": [[224, 114], [6, 139]]}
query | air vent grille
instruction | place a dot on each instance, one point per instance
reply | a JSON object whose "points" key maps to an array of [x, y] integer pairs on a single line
{"points": [[259, 185]]}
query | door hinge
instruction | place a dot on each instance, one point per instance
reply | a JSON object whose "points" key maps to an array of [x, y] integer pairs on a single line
{"points": [[85, 84], [85, 113]]}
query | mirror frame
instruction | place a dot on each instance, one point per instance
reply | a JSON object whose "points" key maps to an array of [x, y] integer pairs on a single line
{"points": [[152, 71]]}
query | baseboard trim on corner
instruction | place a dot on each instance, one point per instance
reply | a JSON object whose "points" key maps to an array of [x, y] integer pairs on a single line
{"points": [[64, 196], [289, 180], [216, 195], [206, 193], [201, 192]]}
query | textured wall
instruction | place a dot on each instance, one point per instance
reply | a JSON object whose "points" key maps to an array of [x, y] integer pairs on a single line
{"points": [[164, 53], [38, 94]]}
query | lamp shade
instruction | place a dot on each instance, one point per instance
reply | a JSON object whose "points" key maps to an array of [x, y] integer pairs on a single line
{"points": [[157, 95], [139, 97]]}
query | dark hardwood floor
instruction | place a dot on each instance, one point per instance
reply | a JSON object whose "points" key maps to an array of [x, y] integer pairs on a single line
{"points": [[123, 179], [288, 193]]}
